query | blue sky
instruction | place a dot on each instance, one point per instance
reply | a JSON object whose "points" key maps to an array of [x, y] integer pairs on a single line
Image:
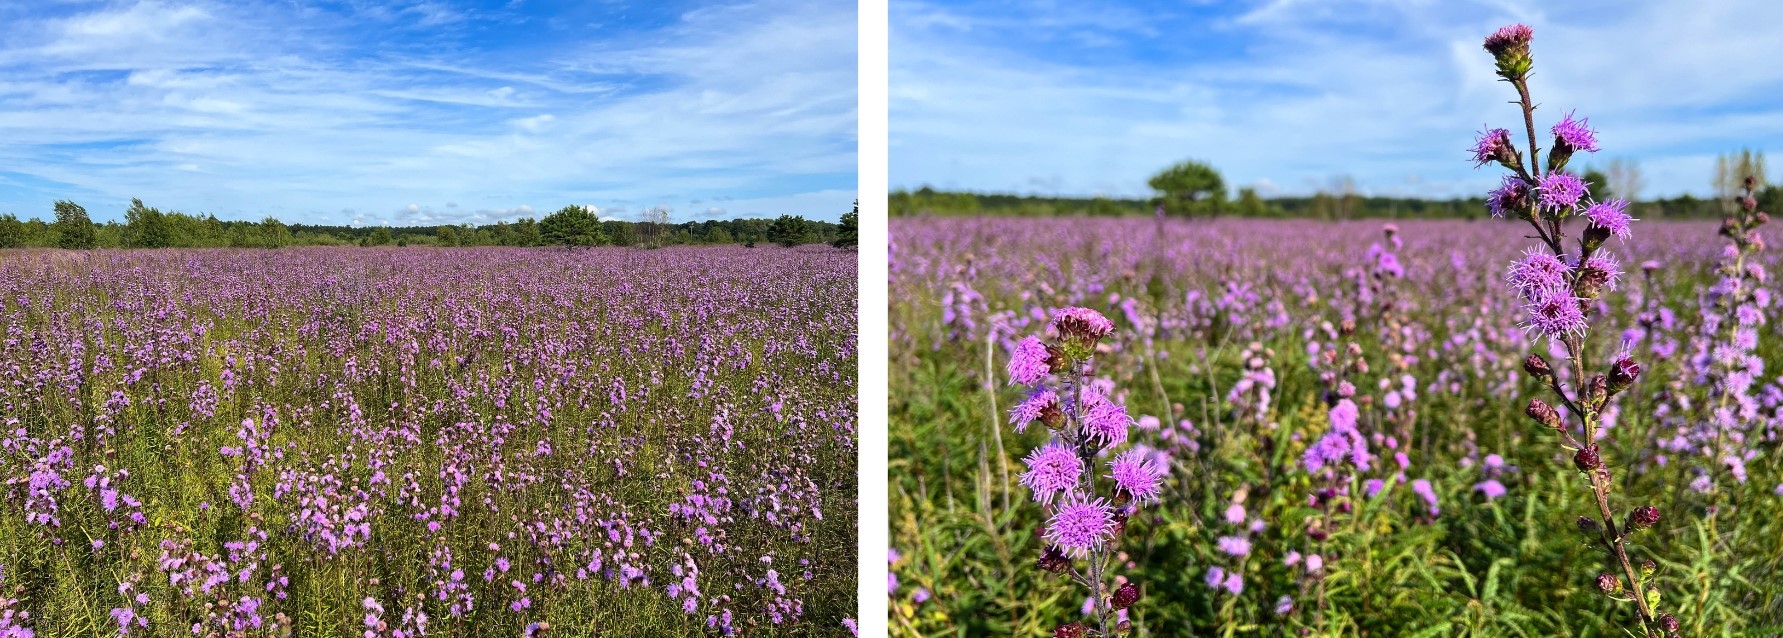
{"points": [[428, 112], [1086, 98]]}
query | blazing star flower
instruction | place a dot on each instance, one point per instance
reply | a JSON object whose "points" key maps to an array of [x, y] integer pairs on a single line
{"points": [[1490, 487], [1235, 514], [1509, 38], [1080, 525], [1032, 408], [1137, 475], [1576, 134], [1215, 576], [1234, 583], [1423, 488], [1105, 420], [1028, 364], [1284, 605], [1537, 273], [1555, 313], [1083, 323], [1605, 263], [1052, 469], [1610, 215], [1490, 146], [1511, 196], [1235, 545], [1561, 191]]}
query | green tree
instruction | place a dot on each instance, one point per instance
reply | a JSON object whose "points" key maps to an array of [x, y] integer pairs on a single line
{"points": [[447, 235], [1597, 183], [572, 226], [380, 236], [790, 230], [1249, 204], [526, 233], [849, 234], [274, 233], [12, 231], [146, 227], [74, 229], [1190, 188], [619, 233]]}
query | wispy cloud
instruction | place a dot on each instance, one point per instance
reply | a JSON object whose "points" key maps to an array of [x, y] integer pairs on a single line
{"points": [[384, 112], [1074, 99]]}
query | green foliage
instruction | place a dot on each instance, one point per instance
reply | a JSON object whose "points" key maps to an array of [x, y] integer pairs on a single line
{"points": [[74, 230], [1190, 188], [12, 231], [448, 235], [848, 234], [380, 236], [790, 230], [146, 227], [572, 226]]}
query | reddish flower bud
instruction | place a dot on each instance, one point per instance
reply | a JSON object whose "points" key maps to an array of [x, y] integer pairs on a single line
{"points": [[1538, 367], [1069, 630], [1668, 622], [1623, 374], [1643, 517], [1588, 459], [1609, 584], [1543, 413], [1125, 596], [1053, 560], [1597, 392], [1589, 527]]}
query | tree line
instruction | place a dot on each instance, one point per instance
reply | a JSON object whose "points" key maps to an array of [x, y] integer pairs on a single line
{"points": [[574, 226], [1196, 189]]}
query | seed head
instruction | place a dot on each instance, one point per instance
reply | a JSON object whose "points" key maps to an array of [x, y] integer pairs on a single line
{"points": [[1609, 584], [1126, 595], [1587, 459]]}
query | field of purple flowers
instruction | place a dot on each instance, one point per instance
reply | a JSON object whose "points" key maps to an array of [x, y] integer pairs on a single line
{"points": [[409, 442], [1340, 418]]}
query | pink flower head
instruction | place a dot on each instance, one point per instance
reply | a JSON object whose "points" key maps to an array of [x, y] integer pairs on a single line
{"points": [[1081, 323], [1080, 525], [1052, 469], [1029, 363], [1137, 475]]}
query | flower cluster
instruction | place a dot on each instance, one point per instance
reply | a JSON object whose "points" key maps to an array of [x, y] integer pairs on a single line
{"points": [[1560, 290], [1088, 509]]}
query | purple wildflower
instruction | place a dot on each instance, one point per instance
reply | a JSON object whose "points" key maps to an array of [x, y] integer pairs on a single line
{"points": [[1490, 487], [1081, 323], [1052, 469], [1028, 364], [1576, 134], [1511, 196], [1491, 145], [1538, 273], [1080, 525], [1032, 408], [1235, 545], [1423, 488], [1560, 191], [1610, 215], [1105, 420], [1137, 475]]}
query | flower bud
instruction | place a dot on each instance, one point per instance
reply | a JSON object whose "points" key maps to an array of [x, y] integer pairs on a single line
{"points": [[1125, 596], [1509, 47], [1123, 627], [1647, 568], [1587, 459], [1609, 584], [1597, 392], [1538, 367], [1069, 630], [1589, 527], [1748, 203], [1543, 413], [1053, 560], [1751, 183], [1668, 622], [1761, 218], [1643, 517], [1591, 282], [1623, 374]]}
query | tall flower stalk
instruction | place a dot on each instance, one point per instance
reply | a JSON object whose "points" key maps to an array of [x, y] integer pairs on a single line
{"points": [[1560, 286], [1087, 511]]}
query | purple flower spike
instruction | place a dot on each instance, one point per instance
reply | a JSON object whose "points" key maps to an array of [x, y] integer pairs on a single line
{"points": [[1491, 146]]}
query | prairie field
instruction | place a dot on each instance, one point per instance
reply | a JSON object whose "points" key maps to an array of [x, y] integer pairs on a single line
{"points": [[1234, 345], [408, 442]]}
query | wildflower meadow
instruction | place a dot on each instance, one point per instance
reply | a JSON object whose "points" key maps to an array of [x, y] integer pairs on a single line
{"points": [[1554, 420], [428, 442]]}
